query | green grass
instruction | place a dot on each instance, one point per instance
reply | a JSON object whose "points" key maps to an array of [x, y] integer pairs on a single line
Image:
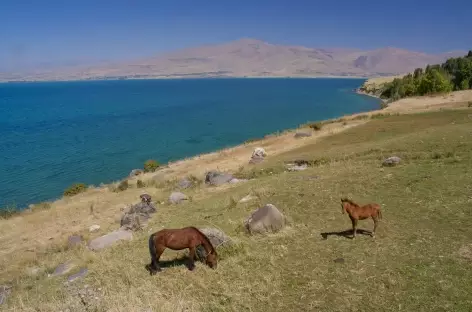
{"points": [[412, 264]]}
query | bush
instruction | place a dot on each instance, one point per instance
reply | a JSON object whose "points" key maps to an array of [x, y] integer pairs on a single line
{"points": [[383, 105], [151, 165], [140, 184], [8, 212], [469, 104], [123, 186], [316, 126], [75, 189]]}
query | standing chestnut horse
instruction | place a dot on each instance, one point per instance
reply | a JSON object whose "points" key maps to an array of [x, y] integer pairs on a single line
{"points": [[357, 213], [178, 239]]}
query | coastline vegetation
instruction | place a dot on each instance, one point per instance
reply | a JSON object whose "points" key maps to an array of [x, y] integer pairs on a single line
{"points": [[75, 189], [453, 75], [151, 165]]}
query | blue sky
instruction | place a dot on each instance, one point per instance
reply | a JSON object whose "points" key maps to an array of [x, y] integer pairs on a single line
{"points": [[58, 32]]}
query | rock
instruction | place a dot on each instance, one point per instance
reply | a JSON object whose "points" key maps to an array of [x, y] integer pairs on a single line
{"points": [[265, 219], [77, 275], [256, 160], [74, 240], [94, 228], [135, 172], [247, 198], [259, 152], [217, 238], [63, 268], [109, 239], [134, 221], [391, 161], [5, 291], [185, 184], [143, 207], [217, 178], [177, 197], [339, 260], [293, 167], [302, 134], [235, 180], [145, 198]]}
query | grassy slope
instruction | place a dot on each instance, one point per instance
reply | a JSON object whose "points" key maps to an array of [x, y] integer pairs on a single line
{"points": [[412, 265]]}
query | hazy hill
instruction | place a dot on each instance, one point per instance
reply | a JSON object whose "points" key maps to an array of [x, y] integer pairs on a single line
{"points": [[249, 57]]}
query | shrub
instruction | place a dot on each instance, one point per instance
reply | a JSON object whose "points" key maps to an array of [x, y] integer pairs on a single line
{"points": [[75, 189], [151, 165], [8, 212], [383, 105], [140, 184], [123, 186], [316, 126], [469, 104]]}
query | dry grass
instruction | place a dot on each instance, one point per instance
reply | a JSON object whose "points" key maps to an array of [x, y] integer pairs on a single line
{"points": [[414, 258]]}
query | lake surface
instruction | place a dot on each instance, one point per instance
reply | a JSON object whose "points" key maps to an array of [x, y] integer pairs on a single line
{"points": [[58, 133]]}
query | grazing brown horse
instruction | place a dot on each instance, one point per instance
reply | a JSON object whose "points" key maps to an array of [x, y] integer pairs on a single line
{"points": [[178, 239], [357, 213]]}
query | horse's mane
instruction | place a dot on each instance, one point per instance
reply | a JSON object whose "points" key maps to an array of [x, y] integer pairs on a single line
{"points": [[349, 201], [213, 250]]}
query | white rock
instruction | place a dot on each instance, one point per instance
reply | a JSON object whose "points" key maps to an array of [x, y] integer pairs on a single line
{"points": [[94, 228]]}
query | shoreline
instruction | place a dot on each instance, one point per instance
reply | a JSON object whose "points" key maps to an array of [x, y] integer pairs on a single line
{"points": [[358, 91], [260, 141]]}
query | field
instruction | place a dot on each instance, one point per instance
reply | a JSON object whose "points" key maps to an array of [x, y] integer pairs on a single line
{"points": [[420, 260]]}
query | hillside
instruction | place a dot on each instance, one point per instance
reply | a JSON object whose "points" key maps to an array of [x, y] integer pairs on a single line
{"points": [[248, 58], [422, 249]]}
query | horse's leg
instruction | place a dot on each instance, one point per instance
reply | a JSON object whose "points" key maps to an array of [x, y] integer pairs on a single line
{"points": [[191, 257], [354, 227], [155, 264], [376, 221]]}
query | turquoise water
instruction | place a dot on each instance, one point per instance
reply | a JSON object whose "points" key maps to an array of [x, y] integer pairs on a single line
{"points": [[56, 134]]}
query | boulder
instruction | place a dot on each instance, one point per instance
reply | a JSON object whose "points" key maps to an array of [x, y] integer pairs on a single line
{"points": [[77, 275], [391, 161], [185, 184], [145, 198], [134, 221], [265, 219], [217, 178], [217, 238], [94, 228], [293, 167], [259, 152], [177, 197], [63, 268], [302, 134], [5, 291], [143, 207], [109, 239], [135, 172], [74, 240]]}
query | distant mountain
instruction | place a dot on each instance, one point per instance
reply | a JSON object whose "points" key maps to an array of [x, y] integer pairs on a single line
{"points": [[249, 58]]}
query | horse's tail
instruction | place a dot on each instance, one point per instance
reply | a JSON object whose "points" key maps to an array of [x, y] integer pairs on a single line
{"points": [[152, 249]]}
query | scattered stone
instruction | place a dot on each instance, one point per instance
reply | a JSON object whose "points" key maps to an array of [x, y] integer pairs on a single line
{"points": [[94, 228], [135, 172], [185, 184], [145, 198], [177, 197], [256, 160], [143, 207], [134, 221], [63, 268], [74, 240], [5, 291], [217, 238], [302, 134], [294, 167], [217, 178], [77, 275], [247, 198], [339, 260], [391, 161], [235, 180], [265, 219], [109, 239], [259, 152]]}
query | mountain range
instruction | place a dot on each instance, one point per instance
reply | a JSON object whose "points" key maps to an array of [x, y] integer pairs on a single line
{"points": [[247, 58]]}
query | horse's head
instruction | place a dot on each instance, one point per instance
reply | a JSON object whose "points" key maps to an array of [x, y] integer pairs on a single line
{"points": [[211, 260]]}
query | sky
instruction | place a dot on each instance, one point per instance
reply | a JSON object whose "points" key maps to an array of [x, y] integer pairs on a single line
{"points": [[57, 32]]}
